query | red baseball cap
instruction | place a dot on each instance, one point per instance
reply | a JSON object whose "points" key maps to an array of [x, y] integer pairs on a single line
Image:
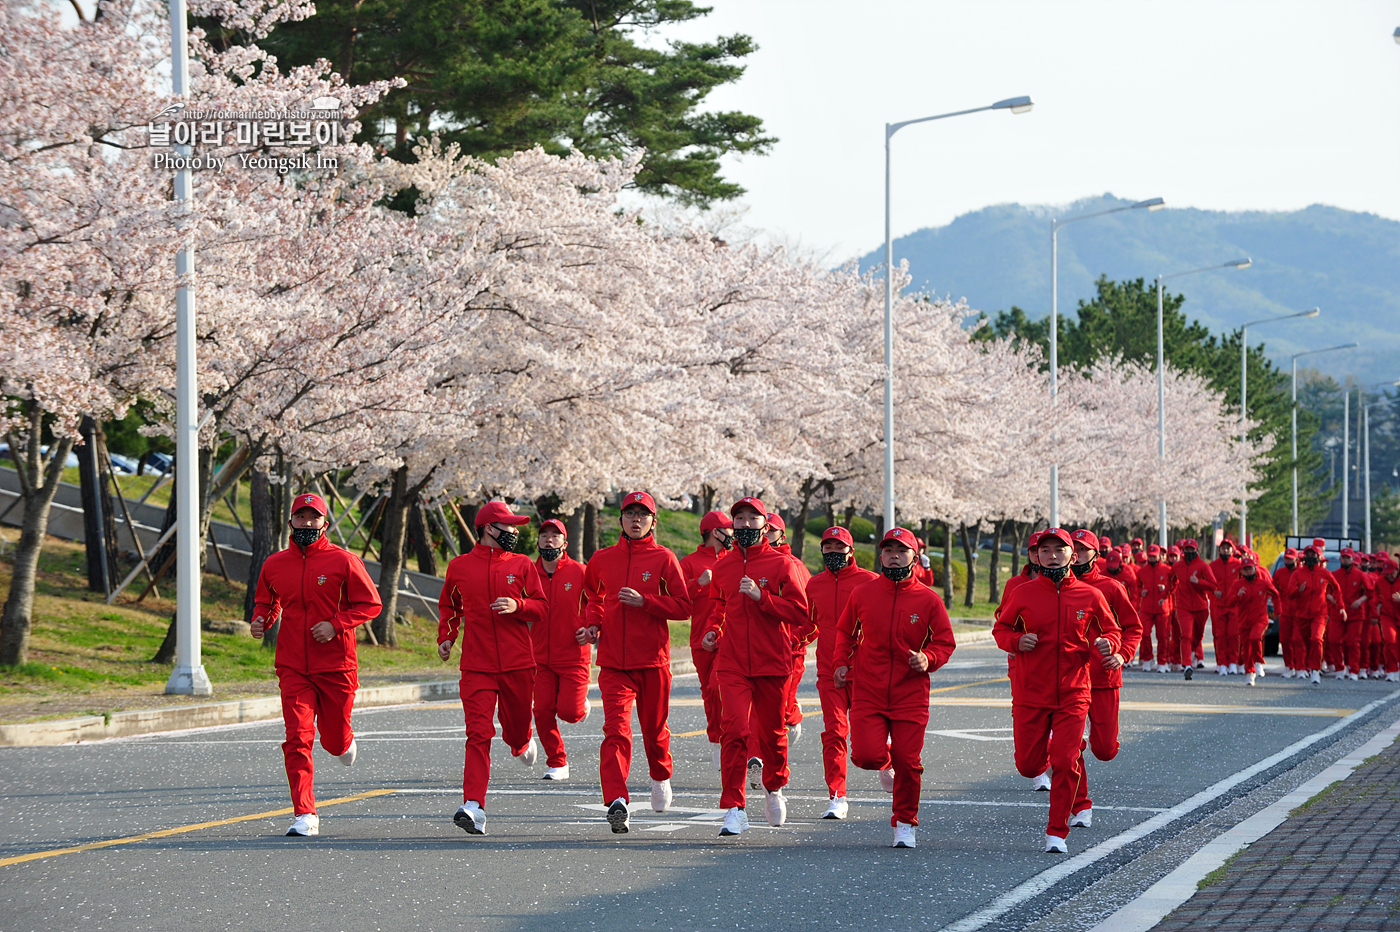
{"points": [[1190, 544], [493, 512], [1058, 533], [838, 533], [1319, 544], [1115, 559], [1250, 558], [776, 522], [901, 536], [1105, 542], [638, 498], [1154, 550], [1137, 540], [554, 523], [313, 501], [1173, 549], [1291, 552], [1085, 537], [1347, 552], [714, 519], [750, 502], [1033, 539]]}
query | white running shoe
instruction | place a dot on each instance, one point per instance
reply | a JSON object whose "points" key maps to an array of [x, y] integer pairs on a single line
{"points": [[1054, 844], [887, 780], [530, 754], [736, 822], [1147, 666], [755, 773], [471, 818], [1082, 819], [307, 824], [1353, 677], [352, 752], [1259, 667], [1362, 675], [794, 733], [1223, 670], [775, 808], [1200, 664], [1288, 673], [1251, 679], [1339, 675], [1041, 784], [1392, 677], [837, 808], [556, 773], [660, 795], [1316, 678], [903, 835], [618, 816], [714, 756]]}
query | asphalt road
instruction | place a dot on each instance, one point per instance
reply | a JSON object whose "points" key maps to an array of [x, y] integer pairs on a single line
{"points": [[394, 860]]}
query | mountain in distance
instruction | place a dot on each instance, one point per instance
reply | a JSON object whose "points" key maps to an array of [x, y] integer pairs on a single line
{"points": [[1345, 262]]}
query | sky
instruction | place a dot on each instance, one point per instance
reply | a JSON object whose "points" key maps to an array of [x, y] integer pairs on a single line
{"points": [[1223, 105]]}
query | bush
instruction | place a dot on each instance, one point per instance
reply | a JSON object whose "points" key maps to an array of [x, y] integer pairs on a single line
{"points": [[861, 529], [865, 559]]}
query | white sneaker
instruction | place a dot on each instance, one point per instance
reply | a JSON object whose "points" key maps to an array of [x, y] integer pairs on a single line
{"points": [[837, 808], [755, 773], [660, 795], [529, 755], [471, 818], [794, 733], [1353, 677], [1139, 665], [1339, 675], [736, 822], [618, 816], [352, 752], [1251, 679], [775, 808], [1236, 669], [1259, 667], [1054, 844], [1082, 819], [1200, 664], [714, 756], [556, 773], [1362, 675], [887, 780], [1288, 673], [1223, 670], [1316, 678], [307, 824], [1149, 666], [1041, 784], [1392, 677], [903, 835]]}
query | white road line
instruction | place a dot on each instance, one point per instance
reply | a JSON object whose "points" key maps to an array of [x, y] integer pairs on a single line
{"points": [[971, 734], [1180, 885], [1048, 878]]}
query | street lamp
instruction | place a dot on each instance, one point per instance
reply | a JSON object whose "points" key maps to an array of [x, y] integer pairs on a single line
{"points": [[1244, 263], [1155, 203], [1396, 34], [1295, 422], [1244, 378], [1015, 105]]}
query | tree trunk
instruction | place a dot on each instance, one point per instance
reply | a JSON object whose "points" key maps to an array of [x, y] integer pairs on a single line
{"points": [[38, 488], [1016, 539], [848, 516], [992, 595], [947, 565], [99, 525], [264, 532], [590, 530], [573, 526], [395, 530], [797, 536], [970, 554], [707, 498], [421, 540]]}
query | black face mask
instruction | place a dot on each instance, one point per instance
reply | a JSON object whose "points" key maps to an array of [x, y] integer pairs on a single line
{"points": [[898, 573], [1054, 573], [1152, 562], [1081, 568], [1113, 572], [305, 536], [835, 560], [1310, 559], [550, 554], [1189, 555], [508, 540], [726, 541], [1248, 575], [746, 537]]}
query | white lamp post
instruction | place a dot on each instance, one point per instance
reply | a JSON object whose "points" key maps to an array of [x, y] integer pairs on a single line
{"points": [[1244, 263], [1155, 203], [1015, 105], [1295, 422]]}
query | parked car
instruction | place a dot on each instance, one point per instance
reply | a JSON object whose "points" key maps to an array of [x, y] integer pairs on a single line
{"points": [[123, 464], [160, 462]]}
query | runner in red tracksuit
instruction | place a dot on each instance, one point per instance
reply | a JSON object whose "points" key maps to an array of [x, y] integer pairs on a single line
{"points": [[561, 662], [1314, 589], [490, 598], [776, 532], [1139, 552], [1388, 601], [1224, 632], [1193, 581], [1106, 676], [827, 595], [1357, 590], [1120, 569], [320, 594], [634, 587], [716, 537], [1375, 634], [1041, 782], [762, 602], [892, 634], [923, 568], [1154, 580], [1248, 598], [1055, 627], [1284, 609]]}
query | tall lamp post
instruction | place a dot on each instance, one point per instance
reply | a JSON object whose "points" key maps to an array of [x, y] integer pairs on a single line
{"points": [[1244, 380], [1295, 422], [1244, 263], [1155, 203], [1015, 105]]}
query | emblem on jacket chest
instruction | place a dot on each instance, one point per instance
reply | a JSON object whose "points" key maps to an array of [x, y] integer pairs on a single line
{"points": [[321, 580], [1079, 614], [510, 577], [763, 581], [646, 575], [568, 586], [913, 619]]}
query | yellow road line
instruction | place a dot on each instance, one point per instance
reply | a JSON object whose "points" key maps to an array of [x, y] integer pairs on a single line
{"points": [[166, 832], [947, 689]]}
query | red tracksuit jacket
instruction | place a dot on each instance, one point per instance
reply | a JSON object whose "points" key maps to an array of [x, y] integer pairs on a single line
{"points": [[755, 638], [635, 638], [555, 637], [1284, 603], [324, 583], [882, 622], [702, 604], [491, 642], [1386, 590], [827, 595], [1192, 597], [1066, 619], [1250, 600], [1126, 616], [1127, 576], [1155, 583], [1225, 572], [1354, 583], [1310, 586]]}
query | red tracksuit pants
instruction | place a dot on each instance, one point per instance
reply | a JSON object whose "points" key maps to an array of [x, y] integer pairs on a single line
{"points": [[308, 701], [1373, 644], [792, 714], [1225, 635], [649, 689], [1252, 641], [1358, 640], [1103, 739], [709, 691], [1285, 640], [484, 696], [1190, 631], [1334, 643], [1307, 641], [561, 694], [881, 739], [763, 697], [1160, 623], [1052, 737], [836, 730], [1390, 645]]}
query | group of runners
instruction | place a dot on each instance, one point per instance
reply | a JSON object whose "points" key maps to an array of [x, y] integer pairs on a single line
{"points": [[525, 632]]}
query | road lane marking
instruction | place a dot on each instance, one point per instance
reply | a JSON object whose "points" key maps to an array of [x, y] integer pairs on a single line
{"points": [[1185, 708], [167, 832]]}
